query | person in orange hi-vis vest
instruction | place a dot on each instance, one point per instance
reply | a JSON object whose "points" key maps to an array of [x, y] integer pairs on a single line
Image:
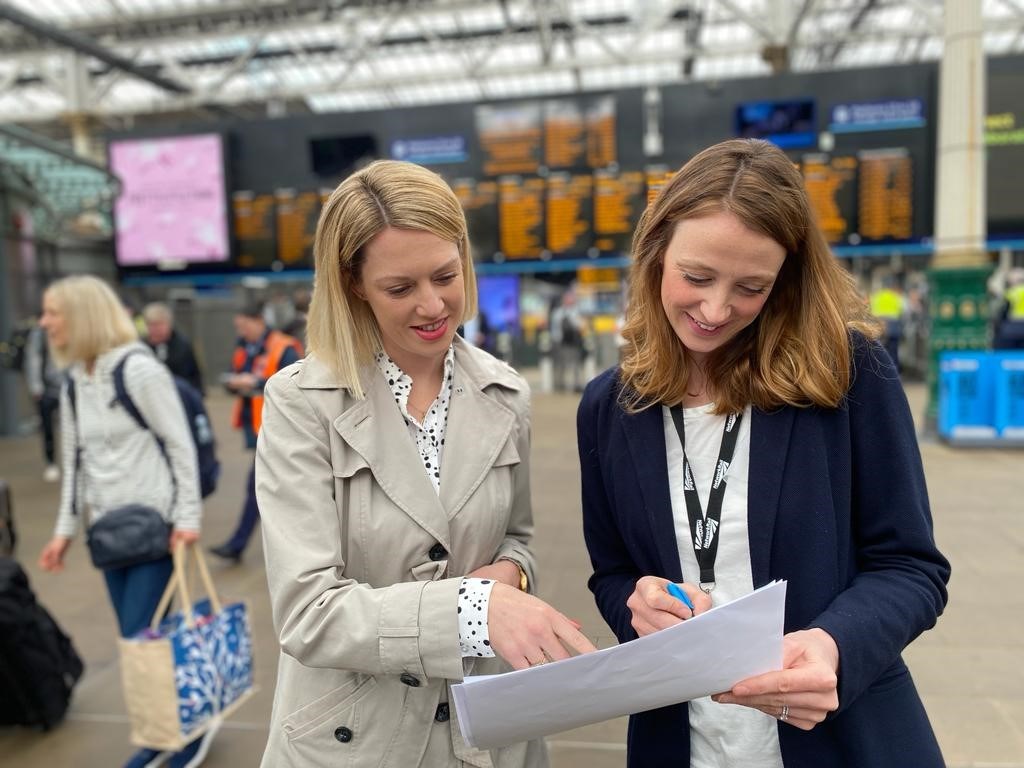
{"points": [[260, 353]]}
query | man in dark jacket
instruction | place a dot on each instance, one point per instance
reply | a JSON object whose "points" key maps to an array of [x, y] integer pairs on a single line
{"points": [[170, 347]]}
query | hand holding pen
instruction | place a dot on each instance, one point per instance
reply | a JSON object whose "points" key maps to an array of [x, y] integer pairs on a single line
{"points": [[655, 604]]}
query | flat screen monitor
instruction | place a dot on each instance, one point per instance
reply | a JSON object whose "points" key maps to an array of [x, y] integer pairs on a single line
{"points": [[172, 211], [335, 157], [499, 302], [784, 123]]}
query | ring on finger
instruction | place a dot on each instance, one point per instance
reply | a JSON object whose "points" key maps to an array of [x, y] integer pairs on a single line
{"points": [[784, 715]]}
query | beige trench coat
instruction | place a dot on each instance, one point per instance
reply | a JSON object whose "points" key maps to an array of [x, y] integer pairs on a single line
{"points": [[364, 561]]}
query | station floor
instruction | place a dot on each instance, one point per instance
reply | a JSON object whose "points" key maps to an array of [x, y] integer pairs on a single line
{"points": [[968, 669]]}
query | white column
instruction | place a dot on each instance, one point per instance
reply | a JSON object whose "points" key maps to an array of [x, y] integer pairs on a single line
{"points": [[960, 177]]}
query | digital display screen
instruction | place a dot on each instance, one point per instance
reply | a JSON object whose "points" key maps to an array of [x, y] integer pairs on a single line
{"points": [[499, 302], [172, 210], [783, 123]]}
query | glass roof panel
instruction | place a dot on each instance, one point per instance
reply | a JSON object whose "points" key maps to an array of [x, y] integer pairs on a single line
{"points": [[345, 52]]}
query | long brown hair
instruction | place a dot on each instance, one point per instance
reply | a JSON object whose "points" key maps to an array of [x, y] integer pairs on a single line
{"points": [[797, 351], [341, 329]]}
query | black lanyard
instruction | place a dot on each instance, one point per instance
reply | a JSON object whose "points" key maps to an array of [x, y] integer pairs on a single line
{"points": [[704, 530]]}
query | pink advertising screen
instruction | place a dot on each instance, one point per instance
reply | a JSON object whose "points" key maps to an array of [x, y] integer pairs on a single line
{"points": [[172, 210]]}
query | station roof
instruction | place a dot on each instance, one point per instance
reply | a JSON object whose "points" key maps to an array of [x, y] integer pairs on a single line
{"points": [[114, 60]]}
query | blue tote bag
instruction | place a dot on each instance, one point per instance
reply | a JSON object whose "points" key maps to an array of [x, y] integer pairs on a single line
{"points": [[187, 672]]}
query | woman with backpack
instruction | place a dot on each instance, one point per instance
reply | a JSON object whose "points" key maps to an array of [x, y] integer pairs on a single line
{"points": [[111, 463]]}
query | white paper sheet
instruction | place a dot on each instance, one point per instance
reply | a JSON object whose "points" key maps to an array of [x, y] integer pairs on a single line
{"points": [[706, 654]]}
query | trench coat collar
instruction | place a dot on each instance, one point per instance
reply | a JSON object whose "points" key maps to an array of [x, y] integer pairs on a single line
{"points": [[476, 436], [769, 443]]}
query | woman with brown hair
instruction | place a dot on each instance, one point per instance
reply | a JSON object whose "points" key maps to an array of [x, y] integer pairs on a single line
{"points": [[755, 431]]}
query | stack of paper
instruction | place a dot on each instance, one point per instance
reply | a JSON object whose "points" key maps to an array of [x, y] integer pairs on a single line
{"points": [[704, 655]]}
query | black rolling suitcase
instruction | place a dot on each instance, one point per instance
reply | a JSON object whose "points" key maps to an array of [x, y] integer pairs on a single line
{"points": [[7, 536], [38, 664]]}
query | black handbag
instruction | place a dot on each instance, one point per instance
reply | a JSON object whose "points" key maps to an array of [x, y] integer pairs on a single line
{"points": [[128, 535]]}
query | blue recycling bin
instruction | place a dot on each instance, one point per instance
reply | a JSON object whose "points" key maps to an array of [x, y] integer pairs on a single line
{"points": [[1009, 395], [981, 397], [967, 406]]}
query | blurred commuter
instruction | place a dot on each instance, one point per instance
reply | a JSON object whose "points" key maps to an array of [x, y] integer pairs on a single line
{"points": [[259, 354], [43, 377], [889, 305], [393, 478], [1010, 322], [296, 327], [567, 328], [110, 462], [170, 347]]}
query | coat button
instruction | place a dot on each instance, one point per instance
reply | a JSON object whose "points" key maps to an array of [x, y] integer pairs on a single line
{"points": [[343, 734], [411, 680], [438, 552], [442, 714]]}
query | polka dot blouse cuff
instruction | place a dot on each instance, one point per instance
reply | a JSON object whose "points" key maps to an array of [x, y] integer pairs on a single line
{"points": [[474, 594]]}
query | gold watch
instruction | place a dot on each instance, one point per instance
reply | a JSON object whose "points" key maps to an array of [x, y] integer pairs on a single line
{"points": [[524, 583]]}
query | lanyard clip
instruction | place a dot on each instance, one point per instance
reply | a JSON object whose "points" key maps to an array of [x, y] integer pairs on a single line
{"points": [[707, 587]]}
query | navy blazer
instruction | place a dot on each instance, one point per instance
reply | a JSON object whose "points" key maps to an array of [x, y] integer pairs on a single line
{"points": [[837, 506]]}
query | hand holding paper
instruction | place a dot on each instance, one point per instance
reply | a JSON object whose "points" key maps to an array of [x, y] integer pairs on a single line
{"points": [[808, 677], [731, 643]]}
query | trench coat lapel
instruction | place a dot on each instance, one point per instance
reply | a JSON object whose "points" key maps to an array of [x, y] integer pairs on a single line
{"points": [[475, 439], [645, 436], [375, 429], [769, 444]]}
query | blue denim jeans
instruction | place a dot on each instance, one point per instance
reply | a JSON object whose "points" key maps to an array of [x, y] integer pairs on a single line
{"points": [[135, 592]]}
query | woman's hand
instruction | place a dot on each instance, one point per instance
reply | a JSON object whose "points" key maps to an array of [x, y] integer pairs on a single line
{"points": [[179, 536], [805, 690], [526, 631], [52, 557], [655, 609]]}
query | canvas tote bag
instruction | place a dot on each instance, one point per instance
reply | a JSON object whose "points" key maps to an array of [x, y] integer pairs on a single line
{"points": [[184, 674]]}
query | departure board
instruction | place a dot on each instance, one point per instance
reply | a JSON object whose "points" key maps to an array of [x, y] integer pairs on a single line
{"points": [[510, 136], [601, 146], [831, 184], [521, 216], [885, 194], [1004, 148], [569, 211], [254, 229], [657, 177], [479, 199], [618, 202], [565, 134], [297, 214]]}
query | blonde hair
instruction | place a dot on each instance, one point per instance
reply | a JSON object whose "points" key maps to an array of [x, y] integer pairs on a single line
{"points": [[94, 318], [341, 329], [797, 351]]}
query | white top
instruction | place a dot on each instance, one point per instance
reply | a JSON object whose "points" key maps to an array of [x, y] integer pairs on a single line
{"points": [[474, 594], [721, 735], [121, 462]]}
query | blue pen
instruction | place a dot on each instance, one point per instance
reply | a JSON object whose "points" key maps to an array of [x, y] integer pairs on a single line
{"points": [[675, 591]]}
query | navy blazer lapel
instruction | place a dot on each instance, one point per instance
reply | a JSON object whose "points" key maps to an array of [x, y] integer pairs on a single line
{"points": [[645, 435], [769, 444]]}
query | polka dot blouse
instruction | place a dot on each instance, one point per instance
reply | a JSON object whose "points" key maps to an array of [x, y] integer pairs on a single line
{"points": [[474, 594]]}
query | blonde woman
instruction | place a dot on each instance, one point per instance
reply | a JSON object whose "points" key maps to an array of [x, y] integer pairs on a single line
{"points": [[393, 480], [110, 461], [754, 431]]}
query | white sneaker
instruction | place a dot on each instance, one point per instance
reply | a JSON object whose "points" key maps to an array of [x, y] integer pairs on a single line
{"points": [[51, 474]]}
